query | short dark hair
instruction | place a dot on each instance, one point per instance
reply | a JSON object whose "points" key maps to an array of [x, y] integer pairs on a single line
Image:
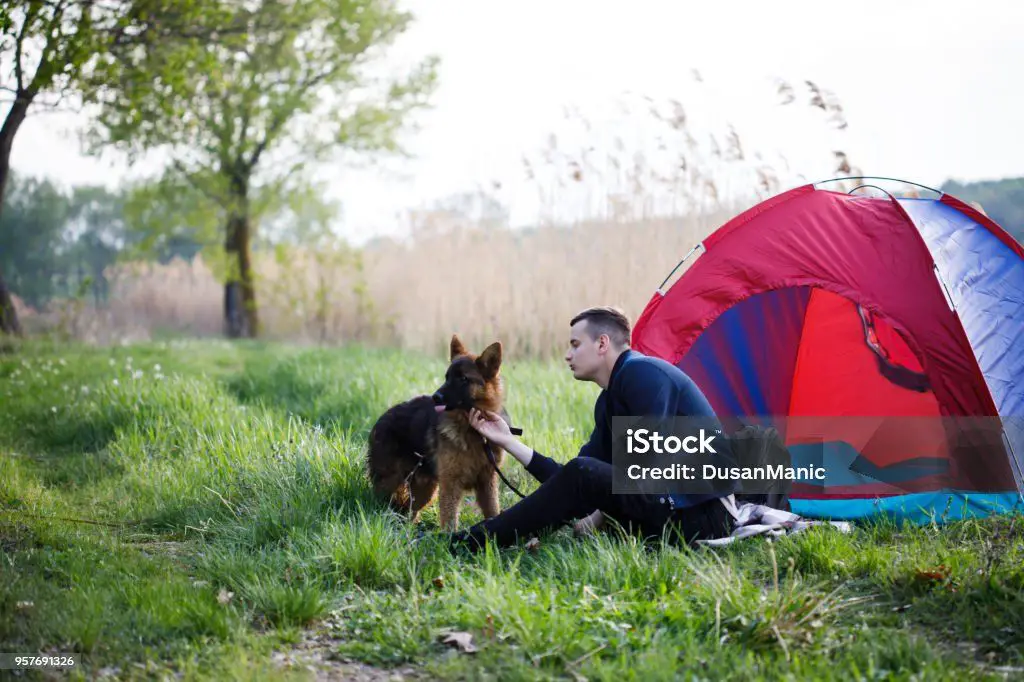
{"points": [[605, 320]]}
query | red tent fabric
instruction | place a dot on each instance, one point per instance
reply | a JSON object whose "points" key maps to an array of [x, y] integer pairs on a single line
{"points": [[865, 250], [823, 304]]}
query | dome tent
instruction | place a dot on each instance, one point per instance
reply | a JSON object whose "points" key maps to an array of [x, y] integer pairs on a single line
{"points": [[817, 303]]}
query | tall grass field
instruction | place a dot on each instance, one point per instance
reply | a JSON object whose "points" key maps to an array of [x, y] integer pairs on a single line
{"points": [[199, 510], [522, 286]]}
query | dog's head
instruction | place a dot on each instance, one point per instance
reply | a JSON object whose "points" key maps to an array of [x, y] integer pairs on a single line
{"points": [[471, 380]]}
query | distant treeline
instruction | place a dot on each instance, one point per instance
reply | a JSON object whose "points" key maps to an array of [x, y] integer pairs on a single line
{"points": [[1002, 200], [58, 243]]}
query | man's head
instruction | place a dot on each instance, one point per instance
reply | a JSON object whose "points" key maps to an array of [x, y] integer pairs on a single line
{"points": [[597, 337]]}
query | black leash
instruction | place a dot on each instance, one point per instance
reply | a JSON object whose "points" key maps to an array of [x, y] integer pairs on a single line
{"points": [[490, 456]]}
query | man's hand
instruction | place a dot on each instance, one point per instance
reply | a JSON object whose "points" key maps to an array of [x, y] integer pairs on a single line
{"points": [[491, 426], [588, 524]]}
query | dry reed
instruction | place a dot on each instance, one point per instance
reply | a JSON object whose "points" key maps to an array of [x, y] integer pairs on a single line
{"points": [[519, 286]]}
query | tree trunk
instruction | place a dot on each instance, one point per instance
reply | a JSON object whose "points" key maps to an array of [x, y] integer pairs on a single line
{"points": [[9, 323], [240, 312]]}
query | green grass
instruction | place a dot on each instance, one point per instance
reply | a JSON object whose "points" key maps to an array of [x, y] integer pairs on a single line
{"points": [[240, 521]]}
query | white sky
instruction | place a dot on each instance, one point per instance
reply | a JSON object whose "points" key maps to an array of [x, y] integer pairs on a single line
{"points": [[931, 90]]}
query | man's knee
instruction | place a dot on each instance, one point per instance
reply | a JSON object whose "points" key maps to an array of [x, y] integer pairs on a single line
{"points": [[581, 467]]}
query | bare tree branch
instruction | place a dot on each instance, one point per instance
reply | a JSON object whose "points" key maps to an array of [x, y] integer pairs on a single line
{"points": [[54, 108], [58, 102], [150, 34], [272, 130], [19, 69], [212, 196], [278, 122]]}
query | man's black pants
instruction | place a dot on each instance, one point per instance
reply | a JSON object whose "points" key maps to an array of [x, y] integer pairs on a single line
{"points": [[584, 484]]}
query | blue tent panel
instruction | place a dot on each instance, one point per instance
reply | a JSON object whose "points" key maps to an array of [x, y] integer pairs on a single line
{"points": [[940, 505], [985, 279]]}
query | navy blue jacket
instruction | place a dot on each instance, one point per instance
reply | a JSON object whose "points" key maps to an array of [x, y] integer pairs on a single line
{"points": [[640, 386]]}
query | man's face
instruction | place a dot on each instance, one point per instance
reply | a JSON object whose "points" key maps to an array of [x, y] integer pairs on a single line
{"points": [[585, 355]]}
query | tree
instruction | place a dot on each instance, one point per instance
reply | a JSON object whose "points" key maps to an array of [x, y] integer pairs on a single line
{"points": [[50, 48], [46, 43], [259, 106]]}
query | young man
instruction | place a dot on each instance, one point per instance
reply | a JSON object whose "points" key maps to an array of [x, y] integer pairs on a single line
{"points": [[634, 385]]}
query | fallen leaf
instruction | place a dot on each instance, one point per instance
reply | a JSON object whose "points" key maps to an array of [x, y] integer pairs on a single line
{"points": [[438, 582], [489, 628], [533, 544], [224, 596], [936, 575], [463, 641]]}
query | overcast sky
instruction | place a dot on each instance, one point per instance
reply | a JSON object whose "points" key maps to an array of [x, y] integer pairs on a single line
{"points": [[931, 90]]}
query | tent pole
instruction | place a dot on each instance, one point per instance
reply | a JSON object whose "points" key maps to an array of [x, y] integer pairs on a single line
{"points": [[661, 289], [1013, 459], [879, 177]]}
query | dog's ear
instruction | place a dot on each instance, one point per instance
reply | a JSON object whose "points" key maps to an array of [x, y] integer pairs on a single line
{"points": [[489, 361], [457, 348]]}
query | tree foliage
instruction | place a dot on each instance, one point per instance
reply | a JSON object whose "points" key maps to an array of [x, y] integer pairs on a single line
{"points": [[244, 115]]}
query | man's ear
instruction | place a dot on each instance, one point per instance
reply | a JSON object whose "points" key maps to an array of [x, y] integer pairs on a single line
{"points": [[489, 361], [457, 348]]}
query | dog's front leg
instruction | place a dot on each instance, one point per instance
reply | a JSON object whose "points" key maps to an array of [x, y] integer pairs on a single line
{"points": [[449, 500], [487, 494]]}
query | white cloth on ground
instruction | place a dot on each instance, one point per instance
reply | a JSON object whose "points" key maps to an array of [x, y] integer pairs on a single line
{"points": [[756, 519]]}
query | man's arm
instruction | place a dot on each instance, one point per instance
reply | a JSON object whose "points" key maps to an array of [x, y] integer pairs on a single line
{"points": [[495, 428], [520, 450], [542, 468]]}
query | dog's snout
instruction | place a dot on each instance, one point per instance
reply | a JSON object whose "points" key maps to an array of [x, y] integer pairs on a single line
{"points": [[438, 398]]}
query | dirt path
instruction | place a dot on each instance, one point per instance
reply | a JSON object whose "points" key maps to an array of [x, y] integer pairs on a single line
{"points": [[317, 654]]}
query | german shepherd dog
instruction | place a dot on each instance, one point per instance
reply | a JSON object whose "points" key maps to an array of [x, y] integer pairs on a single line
{"points": [[426, 445]]}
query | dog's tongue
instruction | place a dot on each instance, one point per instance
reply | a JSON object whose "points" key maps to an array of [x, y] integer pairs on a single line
{"points": [[439, 408]]}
